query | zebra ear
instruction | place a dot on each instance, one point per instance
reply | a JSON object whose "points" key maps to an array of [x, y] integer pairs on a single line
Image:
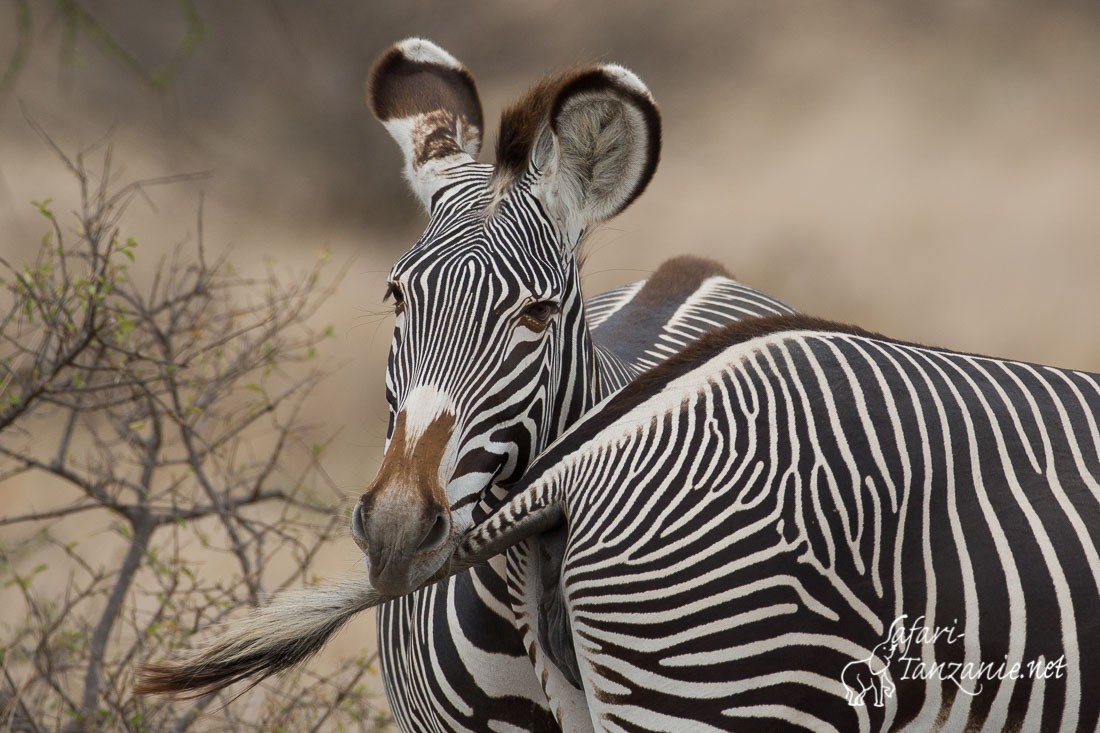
{"points": [[429, 103], [592, 136]]}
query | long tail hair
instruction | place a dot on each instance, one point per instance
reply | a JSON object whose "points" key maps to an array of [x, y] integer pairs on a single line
{"points": [[296, 624], [287, 631]]}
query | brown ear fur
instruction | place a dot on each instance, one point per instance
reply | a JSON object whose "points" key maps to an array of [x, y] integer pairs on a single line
{"points": [[543, 105], [521, 122]]}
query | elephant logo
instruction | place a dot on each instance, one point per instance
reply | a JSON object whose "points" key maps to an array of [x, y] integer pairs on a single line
{"points": [[872, 674]]}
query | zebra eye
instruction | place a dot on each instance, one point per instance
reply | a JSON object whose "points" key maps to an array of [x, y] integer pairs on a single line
{"points": [[393, 290], [539, 313]]}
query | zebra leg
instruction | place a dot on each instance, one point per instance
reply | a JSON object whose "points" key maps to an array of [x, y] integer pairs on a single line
{"points": [[555, 633], [568, 704]]}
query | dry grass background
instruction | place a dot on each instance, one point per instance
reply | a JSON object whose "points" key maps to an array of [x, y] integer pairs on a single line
{"points": [[929, 172]]}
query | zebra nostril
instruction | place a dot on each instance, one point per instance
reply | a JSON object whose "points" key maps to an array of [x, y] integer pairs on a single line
{"points": [[358, 526], [436, 533]]}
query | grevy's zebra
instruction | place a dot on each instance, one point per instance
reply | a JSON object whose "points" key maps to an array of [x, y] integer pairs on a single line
{"points": [[494, 353], [784, 498], [748, 519]]}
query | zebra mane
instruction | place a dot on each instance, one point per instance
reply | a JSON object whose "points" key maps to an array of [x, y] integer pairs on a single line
{"points": [[651, 382], [521, 123]]}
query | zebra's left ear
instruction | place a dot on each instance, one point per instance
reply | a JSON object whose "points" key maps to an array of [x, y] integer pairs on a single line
{"points": [[593, 139]]}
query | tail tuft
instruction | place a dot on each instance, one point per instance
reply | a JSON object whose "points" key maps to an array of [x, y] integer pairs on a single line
{"points": [[286, 632]]}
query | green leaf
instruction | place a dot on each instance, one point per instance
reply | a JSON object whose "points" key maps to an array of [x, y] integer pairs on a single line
{"points": [[43, 207]]}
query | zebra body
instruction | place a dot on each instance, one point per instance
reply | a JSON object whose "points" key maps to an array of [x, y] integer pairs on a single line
{"points": [[785, 498]]}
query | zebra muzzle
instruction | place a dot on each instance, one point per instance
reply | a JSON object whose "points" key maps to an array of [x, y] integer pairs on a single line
{"points": [[403, 522], [401, 546]]}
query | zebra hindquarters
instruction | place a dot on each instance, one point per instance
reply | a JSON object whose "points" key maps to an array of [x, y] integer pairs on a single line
{"points": [[739, 539]]}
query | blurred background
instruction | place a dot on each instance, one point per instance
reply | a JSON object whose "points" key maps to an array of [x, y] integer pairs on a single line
{"points": [[930, 171]]}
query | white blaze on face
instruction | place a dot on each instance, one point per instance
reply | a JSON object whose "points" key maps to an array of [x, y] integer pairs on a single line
{"points": [[423, 406]]}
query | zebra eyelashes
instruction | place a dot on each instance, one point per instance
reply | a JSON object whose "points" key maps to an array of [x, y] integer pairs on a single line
{"points": [[537, 314], [393, 290]]}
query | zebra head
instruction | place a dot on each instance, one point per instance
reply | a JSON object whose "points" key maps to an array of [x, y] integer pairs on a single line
{"points": [[491, 356]]}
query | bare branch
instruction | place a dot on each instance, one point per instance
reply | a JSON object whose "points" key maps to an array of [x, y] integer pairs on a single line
{"points": [[177, 409], [97, 646], [50, 514]]}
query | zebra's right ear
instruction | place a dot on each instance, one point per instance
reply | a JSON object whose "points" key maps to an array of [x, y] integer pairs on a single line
{"points": [[429, 103]]}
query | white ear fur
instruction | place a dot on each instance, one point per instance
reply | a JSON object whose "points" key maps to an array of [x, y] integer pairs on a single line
{"points": [[429, 104], [599, 148]]}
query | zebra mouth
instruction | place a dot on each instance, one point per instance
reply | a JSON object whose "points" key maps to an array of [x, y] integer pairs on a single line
{"points": [[399, 562]]}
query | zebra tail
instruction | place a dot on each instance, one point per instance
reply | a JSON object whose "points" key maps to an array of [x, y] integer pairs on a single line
{"points": [[288, 630], [296, 624], [531, 508]]}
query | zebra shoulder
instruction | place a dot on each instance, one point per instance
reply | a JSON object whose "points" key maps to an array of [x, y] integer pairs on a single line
{"points": [[635, 326]]}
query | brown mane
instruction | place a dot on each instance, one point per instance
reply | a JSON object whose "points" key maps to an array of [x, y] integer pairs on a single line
{"points": [[695, 354]]}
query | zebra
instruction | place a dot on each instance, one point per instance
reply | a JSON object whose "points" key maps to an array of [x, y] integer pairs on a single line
{"points": [[494, 353], [787, 496], [474, 392]]}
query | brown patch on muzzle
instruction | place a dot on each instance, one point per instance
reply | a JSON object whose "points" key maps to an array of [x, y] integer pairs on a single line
{"points": [[413, 468], [403, 519]]}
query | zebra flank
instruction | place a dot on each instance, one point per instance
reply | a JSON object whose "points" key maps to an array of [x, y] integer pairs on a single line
{"points": [[789, 502]]}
